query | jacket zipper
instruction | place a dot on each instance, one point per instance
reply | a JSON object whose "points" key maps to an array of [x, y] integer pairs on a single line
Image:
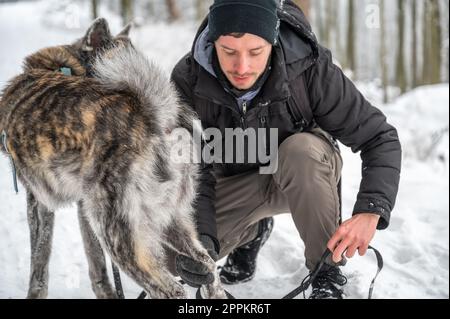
{"points": [[242, 115], [244, 107], [264, 125], [243, 119], [243, 123]]}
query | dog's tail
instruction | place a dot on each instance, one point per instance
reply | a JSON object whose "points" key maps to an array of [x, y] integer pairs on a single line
{"points": [[124, 67]]}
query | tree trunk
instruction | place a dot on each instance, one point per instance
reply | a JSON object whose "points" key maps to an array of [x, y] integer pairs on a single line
{"points": [[445, 41], [333, 33], [94, 7], [432, 43], [305, 5], [201, 9], [319, 20], [425, 44], [174, 13], [351, 40], [436, 44], [325, 15], [149, 8], [383, 53], [126, 8], [414, 62], [400, 65]]}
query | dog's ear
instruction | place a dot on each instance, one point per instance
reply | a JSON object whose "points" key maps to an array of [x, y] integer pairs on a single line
{"points": [[126, 31], [97, 36]]}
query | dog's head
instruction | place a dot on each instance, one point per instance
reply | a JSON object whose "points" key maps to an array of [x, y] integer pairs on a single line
{"points": [[78, 57]]}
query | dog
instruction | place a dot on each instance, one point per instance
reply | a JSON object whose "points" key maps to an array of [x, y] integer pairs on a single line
{"points": [[91, 123]]}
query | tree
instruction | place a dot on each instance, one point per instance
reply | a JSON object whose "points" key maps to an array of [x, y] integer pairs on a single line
{"points": [[383, 52], [94, 7], [432, 45], [174, 13], [414, 62], [305, 5], [331, 32], [201, 9], [126, 10], [324, 20], [351, 37], [400, 63], [445, 41], [319, 20]]}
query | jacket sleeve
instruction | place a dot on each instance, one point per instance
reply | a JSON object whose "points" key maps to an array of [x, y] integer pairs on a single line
{"points": [[204, 204], [341, 110]]}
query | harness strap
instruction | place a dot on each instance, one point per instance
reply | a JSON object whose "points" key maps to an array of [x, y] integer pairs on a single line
{"points": [[13, 165]]}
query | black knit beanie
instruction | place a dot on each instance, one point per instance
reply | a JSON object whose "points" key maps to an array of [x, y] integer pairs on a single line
{"points": [[258, 17]]}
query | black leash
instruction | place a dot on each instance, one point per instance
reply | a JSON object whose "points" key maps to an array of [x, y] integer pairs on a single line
{"points": [[307, 281], [118, 284], [117, 281]]}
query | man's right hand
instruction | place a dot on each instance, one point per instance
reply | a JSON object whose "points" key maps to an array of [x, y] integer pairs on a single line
{"points": [[193, 272]]}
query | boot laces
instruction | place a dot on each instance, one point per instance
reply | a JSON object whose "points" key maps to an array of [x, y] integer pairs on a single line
{"points": [[326, 282]]}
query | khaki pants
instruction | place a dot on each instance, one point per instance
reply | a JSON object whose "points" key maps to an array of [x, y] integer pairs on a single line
{"points": [[305, 185]]}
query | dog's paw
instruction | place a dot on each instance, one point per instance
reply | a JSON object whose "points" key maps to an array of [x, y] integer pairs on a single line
{"points": [[37, 293], [204, 258], [103, 290], [175, 292], [213, 292]]}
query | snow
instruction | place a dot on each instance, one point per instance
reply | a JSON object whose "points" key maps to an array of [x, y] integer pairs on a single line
{"points": [[415, 247]]}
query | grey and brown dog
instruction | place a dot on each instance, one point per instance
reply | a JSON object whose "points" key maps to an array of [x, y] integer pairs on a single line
{"points": [[102, 137]]}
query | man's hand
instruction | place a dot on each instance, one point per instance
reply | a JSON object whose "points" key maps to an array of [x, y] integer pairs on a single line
{"points": [[354, 234], [195, 273]]}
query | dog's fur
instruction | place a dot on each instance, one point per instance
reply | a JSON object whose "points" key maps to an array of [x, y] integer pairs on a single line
{"points": [[100, 137]]}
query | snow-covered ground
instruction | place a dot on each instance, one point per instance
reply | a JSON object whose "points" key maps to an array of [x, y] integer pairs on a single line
{"points": [[415, 247]]}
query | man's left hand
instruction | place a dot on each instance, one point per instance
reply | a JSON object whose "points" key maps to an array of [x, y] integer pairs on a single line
{"points": [[354, 234]]}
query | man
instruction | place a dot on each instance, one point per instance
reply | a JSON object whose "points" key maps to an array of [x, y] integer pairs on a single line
{"points": [[253, 66]]}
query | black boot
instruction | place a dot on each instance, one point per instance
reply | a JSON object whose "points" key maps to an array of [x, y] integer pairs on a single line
{"points": [[325, 285], [240, 265]]}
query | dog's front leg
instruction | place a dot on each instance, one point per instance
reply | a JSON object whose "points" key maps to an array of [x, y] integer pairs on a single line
{"points": [[214, 290], [183, 237], [131, 248]]}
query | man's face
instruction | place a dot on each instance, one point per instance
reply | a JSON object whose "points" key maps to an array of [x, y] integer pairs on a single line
{"points": [[243, 60]]}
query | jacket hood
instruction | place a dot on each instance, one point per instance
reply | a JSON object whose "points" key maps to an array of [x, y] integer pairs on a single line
{"points": [[203, 51]]}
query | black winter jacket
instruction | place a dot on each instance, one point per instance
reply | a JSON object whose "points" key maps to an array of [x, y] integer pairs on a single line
{"points": [[337, 107]]}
